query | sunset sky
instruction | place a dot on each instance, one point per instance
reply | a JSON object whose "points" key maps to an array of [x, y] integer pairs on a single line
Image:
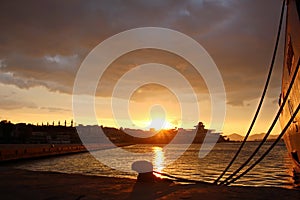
{"points": [[43, 43]]}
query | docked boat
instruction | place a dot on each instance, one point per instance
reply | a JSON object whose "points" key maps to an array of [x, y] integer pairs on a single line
{"points": [[290, 72]]}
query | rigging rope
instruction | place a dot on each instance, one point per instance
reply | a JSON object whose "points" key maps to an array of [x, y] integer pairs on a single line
{"points": [[262, 97], [228, 181], [180, 179], [271, 127], [269, 149]]}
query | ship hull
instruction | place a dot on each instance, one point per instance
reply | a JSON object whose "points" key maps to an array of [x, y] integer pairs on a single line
{"points": [[291, 63]]}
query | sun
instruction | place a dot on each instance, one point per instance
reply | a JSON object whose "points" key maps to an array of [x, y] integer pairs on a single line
{"points": [[168, 125], [159, 124], [158, 119]]}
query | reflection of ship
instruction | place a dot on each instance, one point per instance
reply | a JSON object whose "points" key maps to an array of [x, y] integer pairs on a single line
{"points": [[290, 67]]}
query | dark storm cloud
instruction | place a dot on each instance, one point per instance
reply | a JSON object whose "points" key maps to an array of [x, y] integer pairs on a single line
{"points": [[44, 42], [62, 27]]}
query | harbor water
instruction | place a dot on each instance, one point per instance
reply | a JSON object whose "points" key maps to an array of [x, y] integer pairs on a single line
{"points": [[274, 170]]}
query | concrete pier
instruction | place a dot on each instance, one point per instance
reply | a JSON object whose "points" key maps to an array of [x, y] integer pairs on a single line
{"points": [[9, 152]]}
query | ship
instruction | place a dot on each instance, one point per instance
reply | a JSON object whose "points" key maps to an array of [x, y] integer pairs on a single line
{"points": [[291, 76]]}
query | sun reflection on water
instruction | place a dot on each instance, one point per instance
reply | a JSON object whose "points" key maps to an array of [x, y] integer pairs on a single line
{"points": [[158, 160]]}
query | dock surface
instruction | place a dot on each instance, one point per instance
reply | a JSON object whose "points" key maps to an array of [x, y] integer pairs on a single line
{"points": [[23, 184]]}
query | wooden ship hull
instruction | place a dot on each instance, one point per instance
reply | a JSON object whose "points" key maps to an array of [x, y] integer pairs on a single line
{"points": [[290, 67]]}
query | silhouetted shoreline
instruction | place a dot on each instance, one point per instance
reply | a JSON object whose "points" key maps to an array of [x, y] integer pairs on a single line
{"points": [[22, 133]]}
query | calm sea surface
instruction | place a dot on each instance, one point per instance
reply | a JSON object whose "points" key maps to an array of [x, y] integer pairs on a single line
{"points": [[274, 170]]}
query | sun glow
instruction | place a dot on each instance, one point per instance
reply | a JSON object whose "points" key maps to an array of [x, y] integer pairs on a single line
{"points": [[159, 124], [158, 119], [158, 160]]}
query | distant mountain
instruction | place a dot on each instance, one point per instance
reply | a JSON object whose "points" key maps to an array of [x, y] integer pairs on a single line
{"points": [[260, 136], [235, 137], [255, 137]]}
